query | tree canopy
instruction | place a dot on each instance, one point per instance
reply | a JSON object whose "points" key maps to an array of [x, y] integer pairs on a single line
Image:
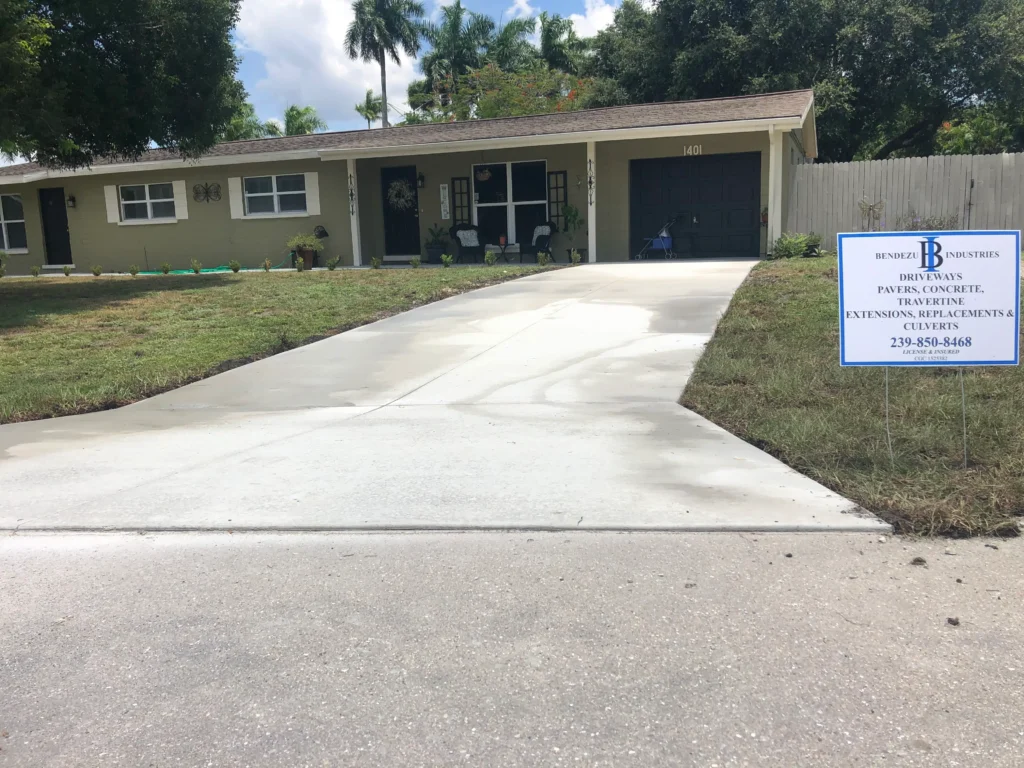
{"points": [[81, 79]]}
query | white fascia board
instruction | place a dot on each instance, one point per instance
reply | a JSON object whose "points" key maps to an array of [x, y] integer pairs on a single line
{"points": [[576, 137], [162, 165]]}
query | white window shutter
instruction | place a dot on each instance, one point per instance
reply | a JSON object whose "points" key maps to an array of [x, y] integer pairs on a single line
{"points": [[312, 194], [235, 197], [113, 208], [180, 200]]}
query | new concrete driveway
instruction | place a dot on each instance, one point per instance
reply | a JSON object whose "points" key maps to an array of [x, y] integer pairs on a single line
{"points": [[547, 402]]}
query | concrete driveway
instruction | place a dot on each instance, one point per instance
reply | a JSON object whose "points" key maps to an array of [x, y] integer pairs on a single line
{"points": [[547, 402]]}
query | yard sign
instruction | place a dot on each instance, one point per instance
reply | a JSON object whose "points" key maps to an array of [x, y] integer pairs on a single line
{"points": [[929, 298]]}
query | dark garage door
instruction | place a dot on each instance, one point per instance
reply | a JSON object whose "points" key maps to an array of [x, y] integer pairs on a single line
{"points": [[715, 200]]}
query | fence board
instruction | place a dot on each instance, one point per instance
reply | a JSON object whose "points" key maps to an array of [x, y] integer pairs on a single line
{"points": [[826, 196]]}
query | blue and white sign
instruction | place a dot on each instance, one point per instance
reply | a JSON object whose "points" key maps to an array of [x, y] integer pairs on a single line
{"points": [[929, 298]]}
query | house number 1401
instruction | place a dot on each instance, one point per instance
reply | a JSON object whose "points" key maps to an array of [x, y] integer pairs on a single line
{"points": [[692, 149]]}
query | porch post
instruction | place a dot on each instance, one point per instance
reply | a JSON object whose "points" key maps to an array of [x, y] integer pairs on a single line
{"points": [[591, 202], [774, 187], [353, 212]]}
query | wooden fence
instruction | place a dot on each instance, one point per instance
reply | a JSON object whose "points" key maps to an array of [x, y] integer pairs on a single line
{"points": [[981, 191]]}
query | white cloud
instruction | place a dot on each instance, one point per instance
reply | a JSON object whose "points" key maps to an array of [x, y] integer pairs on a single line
{"points": [[521, 9], [597, 15], [302, 43]]}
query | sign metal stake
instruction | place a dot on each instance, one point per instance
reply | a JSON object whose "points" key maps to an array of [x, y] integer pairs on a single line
{"points": [[963, 409], [888, 433]]}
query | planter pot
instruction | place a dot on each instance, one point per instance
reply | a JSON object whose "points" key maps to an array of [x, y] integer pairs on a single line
{"points": [[307, 257], [434, 254]]}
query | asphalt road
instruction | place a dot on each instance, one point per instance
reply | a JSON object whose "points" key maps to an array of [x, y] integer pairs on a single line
{"points": [[545, 649]]}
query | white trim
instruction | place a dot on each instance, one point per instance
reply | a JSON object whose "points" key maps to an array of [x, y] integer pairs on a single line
{"points": [[16, 251], [148, 201], [775, 167], [180, 199], [235, 196], [353, 180], [287, 215], [56, 266], [5, 223], [592, 204], [143, 222], [276, 195]]}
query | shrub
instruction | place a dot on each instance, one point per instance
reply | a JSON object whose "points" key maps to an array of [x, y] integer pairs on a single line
{"points": [[575, 257], [35, 270], [67, 270], [197, 266], [447, 259], [332, 263], [267, 265], [825, 253], [133, 269], [305, 242], [789, 246], [414, 262], [165, 268], [375, 262], [490, 259], [543, 258], [2, 270], [235, 265], [813, 246], [96, 269], [300, 263]]}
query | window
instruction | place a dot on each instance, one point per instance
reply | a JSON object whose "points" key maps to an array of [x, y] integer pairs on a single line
{"points": [[12, 224], [147, 201], [557, 185], [275, 194], [461, 213], [510, 199]]}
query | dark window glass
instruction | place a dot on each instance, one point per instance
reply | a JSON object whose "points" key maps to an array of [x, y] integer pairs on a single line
{"points": [[493, 223], [133, 193], [261, 204], [12, 207], [490, 183], [293, 183], [293, 202], [557, 185], [161, 191], [460, 200], [259, 185], [16, 236], [528, 181], [135, 211], [527, 218], [163, 210]]}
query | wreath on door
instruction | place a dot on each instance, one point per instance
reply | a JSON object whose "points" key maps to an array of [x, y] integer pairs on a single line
{"points": [[401, 196]]}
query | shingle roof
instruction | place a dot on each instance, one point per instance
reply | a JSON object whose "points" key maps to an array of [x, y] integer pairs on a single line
{"points": [[761, 107]]}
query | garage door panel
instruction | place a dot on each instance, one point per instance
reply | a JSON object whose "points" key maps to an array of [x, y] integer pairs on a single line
{"points": [[714, 199]]}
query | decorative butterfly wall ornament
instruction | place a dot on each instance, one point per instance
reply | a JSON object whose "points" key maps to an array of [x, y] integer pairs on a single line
{"points": [[206, 193]]}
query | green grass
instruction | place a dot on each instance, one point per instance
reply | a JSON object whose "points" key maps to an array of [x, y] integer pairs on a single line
{"points": [[771, 375], [84, 344]]}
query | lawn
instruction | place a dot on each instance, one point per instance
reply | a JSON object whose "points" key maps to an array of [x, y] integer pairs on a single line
{"points": [[771, 375], [71, 345]]}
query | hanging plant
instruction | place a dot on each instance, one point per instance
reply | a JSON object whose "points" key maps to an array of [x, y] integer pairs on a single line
{"points": [[401, 196]]}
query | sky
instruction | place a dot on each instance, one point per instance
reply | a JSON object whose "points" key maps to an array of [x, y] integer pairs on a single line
{"points": [[292, 52]]}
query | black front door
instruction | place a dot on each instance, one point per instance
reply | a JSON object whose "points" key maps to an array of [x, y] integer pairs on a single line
{"points": [[401, 222], [713, 199], [55, 225]]}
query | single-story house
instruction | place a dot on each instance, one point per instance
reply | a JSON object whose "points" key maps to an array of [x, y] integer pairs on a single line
{"points": [[714, 167]]}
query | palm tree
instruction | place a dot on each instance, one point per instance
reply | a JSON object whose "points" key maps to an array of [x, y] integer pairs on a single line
{"points": [[381, 29], [510, 48], [559, 46], [371, 107], [300, 120], [457, 45], [245, 124]]}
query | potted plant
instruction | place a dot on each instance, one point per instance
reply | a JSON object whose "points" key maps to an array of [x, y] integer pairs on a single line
{"points": [[305, 245], [574, 222], [437, 241]]}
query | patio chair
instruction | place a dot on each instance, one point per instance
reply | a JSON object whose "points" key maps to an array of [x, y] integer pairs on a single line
{"points": [[540, 241], [467, 242]]}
